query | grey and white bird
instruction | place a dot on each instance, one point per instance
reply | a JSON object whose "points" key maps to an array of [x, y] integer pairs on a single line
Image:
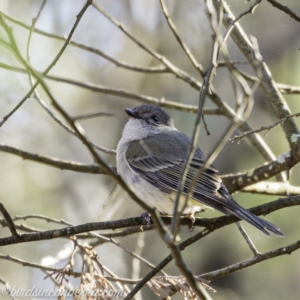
{"points": [[150, 157]]}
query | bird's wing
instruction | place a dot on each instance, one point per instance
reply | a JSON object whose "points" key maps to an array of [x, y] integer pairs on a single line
{"points": [[164, 171]]}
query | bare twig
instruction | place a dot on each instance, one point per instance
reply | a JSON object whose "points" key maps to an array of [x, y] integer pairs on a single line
{"points": [[252, 261], [54, 162], [29, 264], [210, 224], [165, 262], [136, 264], [239, 17], [123, 233], [121, 93], [273, 188], [8, 31], [233, 182], [263, 128], [243, 111], [118, 63], [173, 69], [239, 181], [194, 284], [9, 220], [255, 59], [288, 89], [94, 115], [255, 139], [222, 63], [34, 20], [193, 146], [179, 39], [285, 9], [247, 238], [41, 217]]}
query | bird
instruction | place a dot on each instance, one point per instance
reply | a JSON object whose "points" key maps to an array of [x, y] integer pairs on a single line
{"points": [[151, 155]]}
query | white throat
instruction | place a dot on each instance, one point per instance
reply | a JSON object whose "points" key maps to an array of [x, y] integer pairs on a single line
{"points": [[135, 129]]}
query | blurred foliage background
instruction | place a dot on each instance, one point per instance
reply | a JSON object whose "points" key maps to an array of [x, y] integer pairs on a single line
{"points": [[31, 188]]}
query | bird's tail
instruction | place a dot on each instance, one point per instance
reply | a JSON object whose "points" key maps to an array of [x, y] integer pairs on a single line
{"points": [[258, 222]]}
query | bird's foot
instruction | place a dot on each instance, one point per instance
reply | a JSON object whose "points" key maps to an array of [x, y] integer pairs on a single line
{"points": [[147, 218], [192, 218]]}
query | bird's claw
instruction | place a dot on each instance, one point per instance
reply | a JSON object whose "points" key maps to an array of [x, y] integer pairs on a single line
{"points": [[147, 217], [192, 218]]}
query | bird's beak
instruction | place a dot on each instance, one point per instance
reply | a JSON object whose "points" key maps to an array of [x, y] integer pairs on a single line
{"points": [[130, 113]]}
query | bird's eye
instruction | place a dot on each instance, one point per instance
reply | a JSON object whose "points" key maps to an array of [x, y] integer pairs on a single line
{"points": [[155, 118]]}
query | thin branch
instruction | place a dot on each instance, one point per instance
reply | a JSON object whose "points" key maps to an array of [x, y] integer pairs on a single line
{"points": [[114, 234], [193, 145], [54, 162], [243, 111], [288, 89], [252, 261], [57, 57], [255, 59], [39, 77], [134, 255], [29, 264], [179, 40], [273, 188], [285, 9], [118, 63], [222, 272], [239, 181], [233, 182], [173, 69], [68, 128], [194, 284], [94, 115], [136, 263], [255, 139], [247, 238], [21, 227], [165, 262], [120, 93], [41, 217], [131, 253], [107, 239], [251, 10], [223, 109], [222, 63], [34, 20], [9, 221], [123, 233], [263, 128], [210, 224], [72, 230]]}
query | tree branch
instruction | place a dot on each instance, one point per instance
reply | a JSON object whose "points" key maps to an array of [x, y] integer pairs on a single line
{"points": [[255, 59], [285, 9], [239, 181], [9, 221], [211, 224], [54, 162], [252, 261], [57, 57]]}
